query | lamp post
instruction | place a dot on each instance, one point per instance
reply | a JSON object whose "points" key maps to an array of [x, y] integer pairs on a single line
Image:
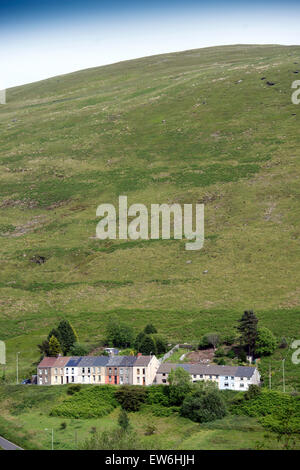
{"points": [[17, 358], [52, 437]]}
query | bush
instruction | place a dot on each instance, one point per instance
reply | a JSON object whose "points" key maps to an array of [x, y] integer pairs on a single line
{"points": [[73, 389], [158, 395], [116, 439], [252, 392], [203, 406], [265, 342], [220, 352], [131, 397], [229, 339], [231, 354], [91, 402]]}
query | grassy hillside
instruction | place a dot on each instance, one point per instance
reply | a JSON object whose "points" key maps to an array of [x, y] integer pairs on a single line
{"points": [[196, 126]]}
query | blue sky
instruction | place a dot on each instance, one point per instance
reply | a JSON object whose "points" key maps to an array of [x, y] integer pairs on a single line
{"points": [[40, 39]]}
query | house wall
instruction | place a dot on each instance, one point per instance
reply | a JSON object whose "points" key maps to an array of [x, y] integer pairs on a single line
{"points": [[145, 375], [44, 376], [58, 375]]}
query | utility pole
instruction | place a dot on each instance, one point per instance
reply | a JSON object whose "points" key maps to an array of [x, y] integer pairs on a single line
{"points": [[17, 367], [52, 437], [270, 377], [283, 375]]}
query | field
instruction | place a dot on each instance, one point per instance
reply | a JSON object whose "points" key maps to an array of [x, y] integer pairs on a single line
{"points": [[201, 126], [25, 417]]}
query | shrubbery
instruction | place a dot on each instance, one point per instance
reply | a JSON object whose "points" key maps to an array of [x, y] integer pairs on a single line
{"points": [[89, 402], [131, 397], [203, 406]]}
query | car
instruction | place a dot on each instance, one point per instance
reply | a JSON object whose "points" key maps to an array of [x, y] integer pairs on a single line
{"points": [[26, 382]]}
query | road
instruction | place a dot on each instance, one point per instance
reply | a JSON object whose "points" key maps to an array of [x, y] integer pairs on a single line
{"points": [[7, 445]]}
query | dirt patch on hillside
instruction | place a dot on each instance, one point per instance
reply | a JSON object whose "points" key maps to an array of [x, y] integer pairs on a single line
{"points": [[204, 356]]}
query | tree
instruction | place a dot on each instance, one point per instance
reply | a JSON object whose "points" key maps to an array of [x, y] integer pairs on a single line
{"points": [[265, 342], [44, 348], [54, 347], [53, 332], [248, 330], [209, 340], [161, 345], [138, 340], [78, 350], [119, 335], [180, 385], [123, 420], [203, 406], [66, 335], [148, 346], [150, 329]]}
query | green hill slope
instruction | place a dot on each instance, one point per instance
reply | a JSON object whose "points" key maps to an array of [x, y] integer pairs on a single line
{"points": [[196, 126]]}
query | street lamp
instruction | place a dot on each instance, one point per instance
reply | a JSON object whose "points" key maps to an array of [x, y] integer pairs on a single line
{"points": [[18, 367], [52, 437]]}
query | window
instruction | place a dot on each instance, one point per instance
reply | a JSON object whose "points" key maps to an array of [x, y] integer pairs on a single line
{"points": [[116, 371], [46, 371], [226, 384], [55, 370], [83, 378], [210, 376], [109, 370], [242, 378], [99, 378], [46, 380], [72, 370], [164, 381], [56, 379], [138, 380], [226, 378], [82, 370], [241, 385], [138, 372], [195, 376], [94, 378], [144, 371], [62, 371], [89, 370], [41, 381], [121, 380], [109, 378], [232, 378], [73, 379], [201, 376], [164, 375], [40, 371], [121, 371]]}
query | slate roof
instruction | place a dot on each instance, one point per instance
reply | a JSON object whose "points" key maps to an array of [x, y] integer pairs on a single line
{"points": [[142, 361], [119, 361], [73, 361], [209, 369], [101, 361]]}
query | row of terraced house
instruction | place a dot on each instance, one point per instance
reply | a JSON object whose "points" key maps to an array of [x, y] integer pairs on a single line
{"points": [[138, 370]]}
